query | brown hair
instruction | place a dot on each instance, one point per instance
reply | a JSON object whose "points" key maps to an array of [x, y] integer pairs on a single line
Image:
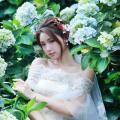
{"points": [[51, 27]]}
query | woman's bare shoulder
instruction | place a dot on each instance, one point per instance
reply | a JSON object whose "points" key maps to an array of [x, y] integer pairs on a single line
{"points": [[39, 60]]}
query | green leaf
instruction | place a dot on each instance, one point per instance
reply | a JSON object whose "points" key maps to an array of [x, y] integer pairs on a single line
{"points": [[108, 98], [55, 7], [7, 88], [115, 90], [18, 114], [15, 2], [38, 106], [26, 38], [100, 16], [22, 95], [8, 24], [8, 101], [40, 3], [112, 77], [78, 48], [93, 43], [93, 61], [10, 10], [31, 103], [102, 64], [25, 50], [85, 60]]}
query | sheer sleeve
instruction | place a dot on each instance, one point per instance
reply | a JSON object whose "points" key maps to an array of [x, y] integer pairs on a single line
{"points": [[80, 98], [34, 73]]}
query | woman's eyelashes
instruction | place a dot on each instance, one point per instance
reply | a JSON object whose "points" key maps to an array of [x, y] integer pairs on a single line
{"points": [[49, 41]]}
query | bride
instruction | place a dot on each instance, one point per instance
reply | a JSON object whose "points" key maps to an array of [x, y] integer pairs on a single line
{"points": [[70, 92]]}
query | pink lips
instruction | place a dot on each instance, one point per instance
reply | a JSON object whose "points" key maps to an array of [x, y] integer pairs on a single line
{"points": [[51, 54]]}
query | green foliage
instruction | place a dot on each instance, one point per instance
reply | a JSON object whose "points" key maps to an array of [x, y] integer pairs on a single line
{"points": [[20, 56]]}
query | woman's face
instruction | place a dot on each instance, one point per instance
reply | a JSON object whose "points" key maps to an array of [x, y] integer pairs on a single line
{"points": [[50, 46]]}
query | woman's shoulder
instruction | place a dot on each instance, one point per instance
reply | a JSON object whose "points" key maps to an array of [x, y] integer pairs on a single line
{"points": [[39, 61]]}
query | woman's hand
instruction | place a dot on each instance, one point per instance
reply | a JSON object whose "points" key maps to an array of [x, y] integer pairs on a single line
{"points": [[22, 87]]}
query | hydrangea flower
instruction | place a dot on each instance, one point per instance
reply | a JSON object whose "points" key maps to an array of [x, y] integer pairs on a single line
{"points": [[3, 66], [108, 2], [4, 115], [106, 40], [116, 32], [41, 18], [6, 39], [104, 54], [26, 13], [82, 21], [84, 33], [67, 13], [74, 6], [88, 9]]}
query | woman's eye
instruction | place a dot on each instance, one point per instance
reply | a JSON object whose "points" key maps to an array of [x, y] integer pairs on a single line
{"points": [[42, 44], [51, 40]]}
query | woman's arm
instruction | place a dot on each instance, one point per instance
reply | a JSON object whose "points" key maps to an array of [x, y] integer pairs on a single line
{"points": [[36, 115], [62, 106]]}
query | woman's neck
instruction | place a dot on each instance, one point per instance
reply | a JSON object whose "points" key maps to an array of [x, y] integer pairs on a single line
{"points": [[65, 60]]}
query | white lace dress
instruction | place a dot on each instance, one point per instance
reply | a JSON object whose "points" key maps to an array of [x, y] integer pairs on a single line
{"points": [[65, 85]]}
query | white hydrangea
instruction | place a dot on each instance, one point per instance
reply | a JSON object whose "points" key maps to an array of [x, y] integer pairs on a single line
{"points": [[67, 13], [3, 66], [88, 9], [26, 13], [75, 24], [104, 54], [116, 32], [41, 18], [74, 6], [6, 39], [106, 40], [108, 2], [84, 33], [81, 21], [4, 115]]}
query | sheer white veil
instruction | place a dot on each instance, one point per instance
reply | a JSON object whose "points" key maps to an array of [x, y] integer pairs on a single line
{"points": [[96, 95]]}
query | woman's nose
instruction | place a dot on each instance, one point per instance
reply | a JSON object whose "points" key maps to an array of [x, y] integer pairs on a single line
{"points": [[48, 47]]}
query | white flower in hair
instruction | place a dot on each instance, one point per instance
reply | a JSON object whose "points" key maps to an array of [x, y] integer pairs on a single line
{"points": [[6, 39], [26, 13]]}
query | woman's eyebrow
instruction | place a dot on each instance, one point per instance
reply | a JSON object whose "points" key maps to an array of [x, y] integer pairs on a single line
{"points": [[49, 39]]}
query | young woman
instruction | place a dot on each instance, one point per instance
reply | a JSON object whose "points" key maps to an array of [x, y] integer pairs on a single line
{"points": [[59, 80]]}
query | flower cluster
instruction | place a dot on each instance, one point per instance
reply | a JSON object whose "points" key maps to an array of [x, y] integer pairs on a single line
{"points": [[26, 14], [3, 66], [106, 40], [6, 39], [88, 9], [116, 32], [83, 33], [108, 2], [67, 13], [4, 115], [83, 25], [40, 19]]}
